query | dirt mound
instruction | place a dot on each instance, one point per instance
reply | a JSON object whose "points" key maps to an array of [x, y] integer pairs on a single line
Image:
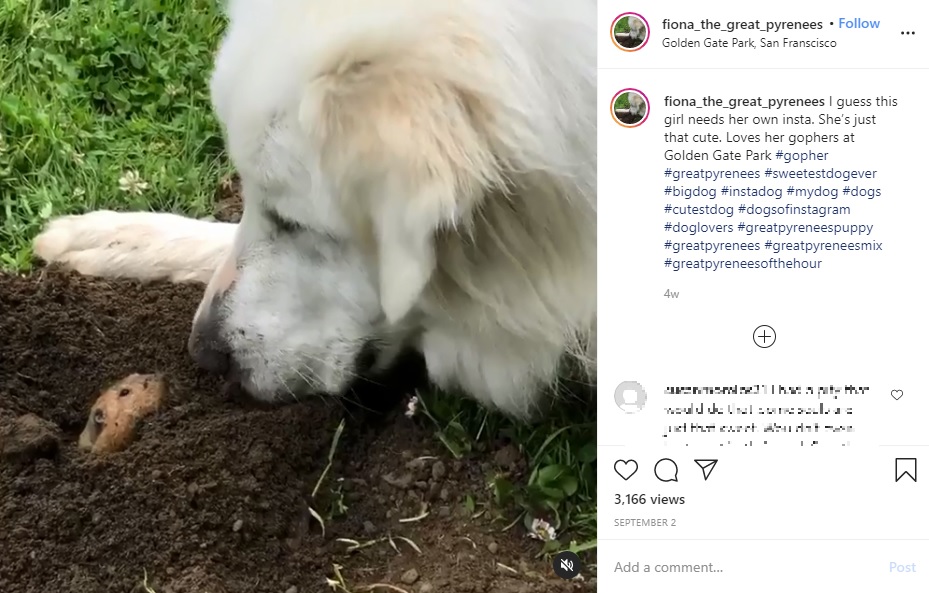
{"points": [[214, 496]]}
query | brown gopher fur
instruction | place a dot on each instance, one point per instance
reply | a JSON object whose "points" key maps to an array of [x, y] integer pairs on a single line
{"points": [[115, 415]]}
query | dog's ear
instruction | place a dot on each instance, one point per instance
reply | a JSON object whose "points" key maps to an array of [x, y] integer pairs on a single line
{"points": [[407, 149], [404, 228]]}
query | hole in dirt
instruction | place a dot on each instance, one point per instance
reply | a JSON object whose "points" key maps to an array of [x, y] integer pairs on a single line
{"points": [[379, 394]]}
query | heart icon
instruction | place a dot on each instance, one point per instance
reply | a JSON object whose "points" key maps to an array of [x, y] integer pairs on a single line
{"points": [[625, 469], [896, 393]]}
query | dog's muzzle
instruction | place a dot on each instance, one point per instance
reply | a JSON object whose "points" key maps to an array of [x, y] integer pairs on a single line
{"points": [[206, 347]]}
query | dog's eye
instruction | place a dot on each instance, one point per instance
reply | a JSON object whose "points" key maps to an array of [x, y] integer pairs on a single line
{"points": [[99, 417], [280, 223], [124, 392]]}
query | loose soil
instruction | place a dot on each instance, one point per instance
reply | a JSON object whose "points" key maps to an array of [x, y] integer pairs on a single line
{"points": [[213, 496], [228, 200]]}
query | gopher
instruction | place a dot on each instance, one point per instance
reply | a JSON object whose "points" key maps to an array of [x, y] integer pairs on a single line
{"points": [[114, 417]]}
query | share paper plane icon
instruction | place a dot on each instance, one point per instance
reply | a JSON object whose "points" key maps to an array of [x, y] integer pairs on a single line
{"points": [[707, 466]]}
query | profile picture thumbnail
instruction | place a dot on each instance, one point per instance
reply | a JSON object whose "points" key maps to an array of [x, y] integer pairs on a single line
{"points": [[630, 31], [630, 108]]}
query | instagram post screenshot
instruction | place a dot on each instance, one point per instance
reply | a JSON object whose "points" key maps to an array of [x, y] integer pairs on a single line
{"points": [[761, 211], [300, 296]]}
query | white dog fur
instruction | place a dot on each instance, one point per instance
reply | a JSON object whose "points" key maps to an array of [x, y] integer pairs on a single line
{"points": [[637, 105], [637, 30], [413, 171]]}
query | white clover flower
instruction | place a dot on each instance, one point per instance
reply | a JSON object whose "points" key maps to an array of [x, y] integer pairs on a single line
{"points": [[131, 183], [412, 406], [542, 530]]}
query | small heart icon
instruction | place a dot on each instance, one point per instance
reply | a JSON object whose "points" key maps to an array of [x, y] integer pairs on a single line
{"points": [[625, 469], [896, 393]]}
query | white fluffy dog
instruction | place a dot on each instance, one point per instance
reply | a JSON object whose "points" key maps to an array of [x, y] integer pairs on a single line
{"points": [[415, 174], [637, 106], [637, 29]]}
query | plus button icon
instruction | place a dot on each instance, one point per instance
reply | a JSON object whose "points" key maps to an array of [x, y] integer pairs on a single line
{"points": [[764, 336]]}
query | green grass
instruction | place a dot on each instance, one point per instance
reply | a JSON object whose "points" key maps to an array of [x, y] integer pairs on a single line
{"points": [[622, 102], [622, 26], [91, 90], [561, 485]]}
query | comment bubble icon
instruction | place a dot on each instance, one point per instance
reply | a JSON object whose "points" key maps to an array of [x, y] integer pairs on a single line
{"points": [[666, 470]]}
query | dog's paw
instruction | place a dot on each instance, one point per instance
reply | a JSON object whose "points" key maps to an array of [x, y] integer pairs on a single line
{"points": [[68, 234], [140, 245]]}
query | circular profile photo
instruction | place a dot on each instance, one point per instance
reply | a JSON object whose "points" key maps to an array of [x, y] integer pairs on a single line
{"points": [[630, 396], [630, 31], [630, 108]]}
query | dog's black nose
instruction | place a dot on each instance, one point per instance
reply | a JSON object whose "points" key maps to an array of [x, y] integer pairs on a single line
{"points": [[207, 348], [213, 361]]}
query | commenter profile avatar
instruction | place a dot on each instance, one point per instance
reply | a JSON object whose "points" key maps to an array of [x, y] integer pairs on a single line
{"points": [[630, 397], [630, 108]]}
